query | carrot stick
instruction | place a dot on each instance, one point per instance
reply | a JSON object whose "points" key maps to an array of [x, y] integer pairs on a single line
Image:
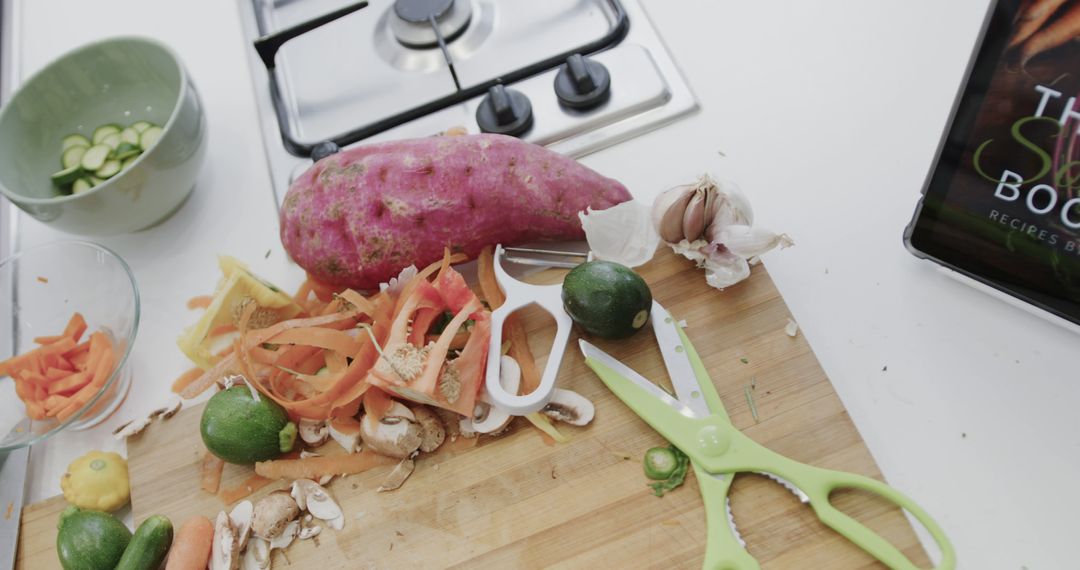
{"points": [[211, 470], [1064, 28], [1031, 18], [75, 327], [200, 302], [69, 384], [185, 379], [47, 339], [191, 548], [221, 329], [315, 467], [52, 374]]}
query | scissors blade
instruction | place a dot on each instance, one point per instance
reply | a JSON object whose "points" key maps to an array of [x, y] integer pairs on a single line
{"points": [[684, 379], [592, 352]]}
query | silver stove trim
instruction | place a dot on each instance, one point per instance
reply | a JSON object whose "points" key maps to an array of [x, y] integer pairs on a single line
{"points": [[652, 101]]}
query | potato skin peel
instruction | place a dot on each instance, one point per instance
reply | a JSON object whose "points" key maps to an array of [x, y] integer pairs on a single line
{"points": [[356, 218]]}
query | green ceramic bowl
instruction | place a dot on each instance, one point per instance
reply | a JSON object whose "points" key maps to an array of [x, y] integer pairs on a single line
{"points": [[117, 80]]}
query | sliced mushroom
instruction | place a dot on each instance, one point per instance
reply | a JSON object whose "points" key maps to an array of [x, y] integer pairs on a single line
{"points": [[240, 518], [317, 501], [397, 477], [309, 532], [395, 435], [313, 432], [133, 427], [225, 552], [432, 432], [304, 454], [465, 428], [451, 421], [272, 514], [288, 534], [326, 479], [256, 555], [346, 431], [486, 417], [570, 407]]}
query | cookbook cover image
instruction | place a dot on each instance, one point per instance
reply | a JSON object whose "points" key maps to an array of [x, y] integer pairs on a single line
{"points": [[1004, 202]]}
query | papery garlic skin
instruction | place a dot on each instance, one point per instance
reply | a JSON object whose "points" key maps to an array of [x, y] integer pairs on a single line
{"points": [[724, 268], [748, 242], [623, 233]]}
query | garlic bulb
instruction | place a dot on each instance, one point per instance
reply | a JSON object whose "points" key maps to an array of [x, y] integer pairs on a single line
{"points": [[748, 242], [711, 224], [623, 233]]}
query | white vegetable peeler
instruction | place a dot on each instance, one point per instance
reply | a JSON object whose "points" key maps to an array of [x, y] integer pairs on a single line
{"points": [[519, 295]]}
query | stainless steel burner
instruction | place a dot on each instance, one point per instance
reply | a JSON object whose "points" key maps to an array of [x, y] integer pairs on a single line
{"points": [[411, 21]]}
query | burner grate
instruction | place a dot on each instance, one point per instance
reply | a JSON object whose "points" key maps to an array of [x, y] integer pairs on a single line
{"points": [[268, 46]]}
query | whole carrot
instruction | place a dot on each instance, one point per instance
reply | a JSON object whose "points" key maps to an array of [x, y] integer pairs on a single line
{"points": [[1064, 28], [191, 548], [1032, 16]]}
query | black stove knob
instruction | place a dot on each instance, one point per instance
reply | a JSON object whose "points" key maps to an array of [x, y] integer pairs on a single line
{"points": [[582, 83], [323, 150], [504, 111]]}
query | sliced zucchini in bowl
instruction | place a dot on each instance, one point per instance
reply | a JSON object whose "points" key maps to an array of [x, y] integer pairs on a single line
{"points": [[72, 156], [81, 185], [126, 150], [150, 136], [67, 175], [130, 135], [112, 141], [95, 157], [109, 169], [105, 130], [141, 126], [75, 140]]}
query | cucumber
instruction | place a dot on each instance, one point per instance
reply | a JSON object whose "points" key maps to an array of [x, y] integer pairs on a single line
{"points": [[148, 547], [125, 150], [72, 155], [95, 157], [90, 540], [74, 140], [606, 299], [141, 126], [240, 430], [150, 136], [130, 135], [67, 175], [104, 131], [109, 169], [82, 185]]}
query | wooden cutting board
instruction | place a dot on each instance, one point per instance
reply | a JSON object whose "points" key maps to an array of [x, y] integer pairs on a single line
{"points": [[518, 501]]}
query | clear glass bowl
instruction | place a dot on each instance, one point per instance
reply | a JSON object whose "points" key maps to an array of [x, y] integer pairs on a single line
{"points": [[40, 288]]}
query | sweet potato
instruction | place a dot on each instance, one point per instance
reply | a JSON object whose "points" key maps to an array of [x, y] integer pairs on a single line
{"points": [[356, 218]]}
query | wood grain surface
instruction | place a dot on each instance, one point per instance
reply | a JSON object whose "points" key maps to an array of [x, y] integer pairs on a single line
{"points": [[517, 501]]}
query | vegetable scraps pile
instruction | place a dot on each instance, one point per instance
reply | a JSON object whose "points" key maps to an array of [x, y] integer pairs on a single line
{"points": [[422, 339], [59, 377]]}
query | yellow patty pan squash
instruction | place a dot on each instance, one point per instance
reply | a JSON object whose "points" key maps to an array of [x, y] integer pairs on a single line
{"points": [[98, 481]]}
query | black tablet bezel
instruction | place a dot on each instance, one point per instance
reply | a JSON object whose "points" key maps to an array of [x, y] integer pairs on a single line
{"points": [[919, 236]]}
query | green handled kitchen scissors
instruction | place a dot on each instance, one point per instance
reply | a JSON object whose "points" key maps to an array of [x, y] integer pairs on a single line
{"points": [[696, 422]]}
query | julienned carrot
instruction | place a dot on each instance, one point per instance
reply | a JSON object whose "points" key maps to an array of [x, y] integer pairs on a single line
{"points": [[59, 377], [191, 548], [200, 302], [211, 470], [1062, 29], [315, 467], [186, 379]]}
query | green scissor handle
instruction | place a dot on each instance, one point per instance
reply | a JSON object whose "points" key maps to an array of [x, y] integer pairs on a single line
{"points": [[723, 550], [716, 446]]}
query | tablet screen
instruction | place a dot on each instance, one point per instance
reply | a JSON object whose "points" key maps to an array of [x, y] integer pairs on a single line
{"points": [[1003, 203]]}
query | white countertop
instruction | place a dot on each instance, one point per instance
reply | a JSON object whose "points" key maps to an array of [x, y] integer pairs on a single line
{"points": [[827, 114]]}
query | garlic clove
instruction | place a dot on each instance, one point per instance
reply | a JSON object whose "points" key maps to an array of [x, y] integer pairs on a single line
{"points": [[693, 222], [723, 268], [747, 242], [668, 211]]}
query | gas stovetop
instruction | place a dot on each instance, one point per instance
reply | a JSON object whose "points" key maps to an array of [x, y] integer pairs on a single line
{"points": [[573, 75]]}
